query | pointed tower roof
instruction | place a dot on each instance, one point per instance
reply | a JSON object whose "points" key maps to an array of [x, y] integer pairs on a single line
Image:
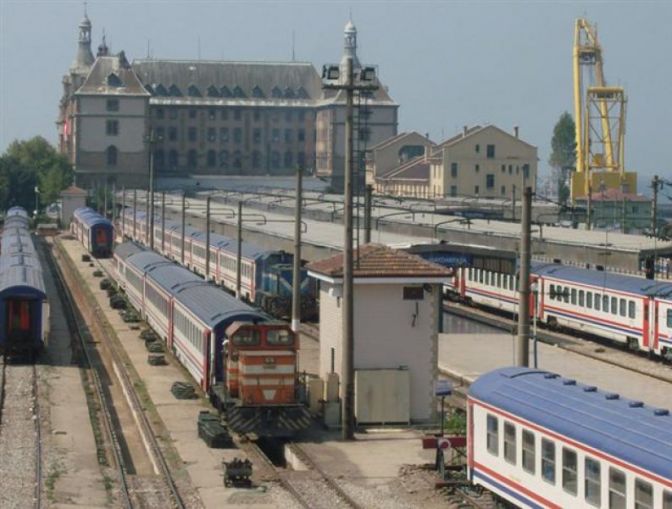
{"points": [[350, 44], [84, 58]]}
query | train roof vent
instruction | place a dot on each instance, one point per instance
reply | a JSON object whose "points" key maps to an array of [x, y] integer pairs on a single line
{"points": [[661, 412], [590, 388], [636, 404], [611, 395], [551, 375], [569, 382]]}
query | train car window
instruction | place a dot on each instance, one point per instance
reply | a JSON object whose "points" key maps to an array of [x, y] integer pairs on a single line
{"points": [[589, 300], [569, 470], [480, 275], [669, 318], [551, 292], [510, 443], [631, 308], [573, 295], [643, 495], [605, 303], [492, 438], [565, 292], [548, 460], [592, 486], [529, 451], [617, 489], [512, 282], [470, 272], [598, 301], [667, 499], [246, 337], [582, 297], [621, 307], [614, 306], [499, 280], [279, 337]]}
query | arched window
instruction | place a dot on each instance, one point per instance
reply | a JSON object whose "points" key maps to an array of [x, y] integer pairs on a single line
{"points": [[237, 160], [212, 158], [288, 159], [224, 159], [213, 91], [275, 159], [256, 159], [257, 92], [114, 81], [193, 91], [159, 159], [172, 160], [112, 153], [276, 92], [149, 89], [192, 159]]}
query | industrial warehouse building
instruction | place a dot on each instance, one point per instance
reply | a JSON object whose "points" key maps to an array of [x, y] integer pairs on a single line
{"points": [[208, 117]]}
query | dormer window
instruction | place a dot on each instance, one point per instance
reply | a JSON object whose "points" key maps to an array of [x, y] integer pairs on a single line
{"points": [[160, 90], [238, 92], [213, 91], [276, 92], [289, 93], [257, 92], [114, 81], [225, 91], [149, 89], [174, 91], [301, 93], [193, 91]]}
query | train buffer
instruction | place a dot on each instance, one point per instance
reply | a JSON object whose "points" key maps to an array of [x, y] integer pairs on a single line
{"points": [[237, 473]]}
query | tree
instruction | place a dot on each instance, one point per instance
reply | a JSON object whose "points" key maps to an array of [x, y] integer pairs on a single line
{"points": [[563, 155], [29, 164]]}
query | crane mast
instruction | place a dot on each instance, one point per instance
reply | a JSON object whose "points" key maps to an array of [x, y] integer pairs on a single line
{"points": [[599, 114]]}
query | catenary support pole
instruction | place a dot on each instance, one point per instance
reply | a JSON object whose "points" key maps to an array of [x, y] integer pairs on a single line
{"points": [[523, 341], [654, 207], [239, 250], [184, 225], [135, 213], [348, 421], [163, 222], [123, 213], [296, 269], [207, 238], [513, 203]]}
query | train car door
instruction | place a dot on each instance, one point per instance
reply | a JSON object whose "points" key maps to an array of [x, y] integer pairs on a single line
{"points": [[646, 333], [18, 319], [100, 237]]}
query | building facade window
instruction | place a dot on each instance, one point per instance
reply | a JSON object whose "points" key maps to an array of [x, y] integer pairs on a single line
{"points": [[288, 135], [159, 159], [160, 113], [288, 116], [224, 159], [301, 135], [477, 148], [490, 151], [172, 113], [526, 171], [212, 159], [275, 135], [453, 191], [224, 134], [453, 170], [192, 112], [112, 105], [275, 159], [288, 159], [237, 114], [477, 189], [256, 115], [256, 135], [237, 160], [477, 168], [192, 134], [503, 190], [237, 135], [224, 114], [111, 155], [192, 159], [160, 133], [256, 159], [301, 159], [172, 159], [490, 181], [212, 114], [172, 133], [112, 127], [212, 134]]}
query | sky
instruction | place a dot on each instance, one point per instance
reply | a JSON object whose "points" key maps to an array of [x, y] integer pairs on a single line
{"points": [[447, 63]]}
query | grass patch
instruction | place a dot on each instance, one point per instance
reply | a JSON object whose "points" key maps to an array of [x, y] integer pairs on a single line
{"points": [[56, 470]]}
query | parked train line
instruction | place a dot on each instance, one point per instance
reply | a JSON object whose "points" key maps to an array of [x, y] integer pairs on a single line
{"points": [[134, 491]]}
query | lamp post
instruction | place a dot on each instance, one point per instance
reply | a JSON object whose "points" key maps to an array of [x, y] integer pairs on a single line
{"points": [[296, 269], [364, 81]]}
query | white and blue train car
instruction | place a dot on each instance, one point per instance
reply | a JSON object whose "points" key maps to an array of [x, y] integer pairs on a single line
{"points": [[538, 440]]}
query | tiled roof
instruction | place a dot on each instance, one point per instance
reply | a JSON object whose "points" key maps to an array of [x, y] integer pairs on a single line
{"points": [[112, 75], [378, 261], [74, 191], [415, 169]]}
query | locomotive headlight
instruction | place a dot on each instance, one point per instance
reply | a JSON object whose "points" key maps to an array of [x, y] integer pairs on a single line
{"points": [[269, 362]]}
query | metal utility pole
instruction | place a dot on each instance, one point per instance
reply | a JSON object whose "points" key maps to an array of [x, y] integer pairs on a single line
{"points": [[135, 212], [163, 222], [368, 198], [513, 203], [523, 342], [207, 238], [589, 207], [152, 140], [348, 307], [123, 213], [296, 269], [114, 202], [184, 224], [105, 200], [239, 250], [147, 223], [654, 209]]}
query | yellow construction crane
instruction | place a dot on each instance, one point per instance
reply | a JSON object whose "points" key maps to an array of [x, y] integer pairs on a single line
{"points": [[599, 115]]}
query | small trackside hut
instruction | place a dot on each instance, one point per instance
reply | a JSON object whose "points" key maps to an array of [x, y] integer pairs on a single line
{"points": [[397, 308]]}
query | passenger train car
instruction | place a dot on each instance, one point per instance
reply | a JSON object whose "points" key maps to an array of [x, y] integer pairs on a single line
{"points": [[537, 440], [24, 308], [244, 361], [630, 310], [266, 275], [94, 231]]}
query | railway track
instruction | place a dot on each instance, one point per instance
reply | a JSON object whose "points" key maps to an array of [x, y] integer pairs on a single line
{"points": [[132, 490], [20, 435]]}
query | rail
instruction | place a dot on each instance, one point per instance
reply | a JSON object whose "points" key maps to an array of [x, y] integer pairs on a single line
{"points": [[38, 442]]}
